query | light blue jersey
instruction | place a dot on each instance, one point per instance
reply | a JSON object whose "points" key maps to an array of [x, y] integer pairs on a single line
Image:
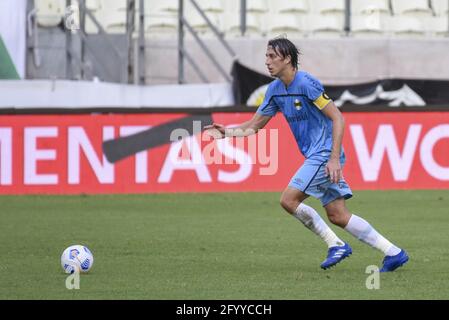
{"points": [[311, 128], [301, 103]]}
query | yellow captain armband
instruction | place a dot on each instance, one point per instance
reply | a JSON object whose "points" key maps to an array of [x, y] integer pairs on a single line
{"points": [[322, 101]]}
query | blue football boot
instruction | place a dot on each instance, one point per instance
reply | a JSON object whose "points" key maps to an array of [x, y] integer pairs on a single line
{"points": [[391, 263], [335, 255]]}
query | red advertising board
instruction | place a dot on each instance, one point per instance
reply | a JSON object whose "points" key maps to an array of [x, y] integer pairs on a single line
{"points": [[62, 154]]}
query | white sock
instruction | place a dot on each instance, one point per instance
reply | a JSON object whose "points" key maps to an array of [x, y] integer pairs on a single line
{"points": [[363, 231], [312, 220]]}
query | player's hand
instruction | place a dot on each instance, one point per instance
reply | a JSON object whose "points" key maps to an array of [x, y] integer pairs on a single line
{"points": [[215, 130], [333, 170]]}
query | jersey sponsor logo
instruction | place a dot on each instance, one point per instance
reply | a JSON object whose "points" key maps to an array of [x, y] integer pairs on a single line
{"points": [[297, 118], [298, 104]]}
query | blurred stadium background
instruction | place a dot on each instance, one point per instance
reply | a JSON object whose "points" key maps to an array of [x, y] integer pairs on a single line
{"points": [[74, 74]]}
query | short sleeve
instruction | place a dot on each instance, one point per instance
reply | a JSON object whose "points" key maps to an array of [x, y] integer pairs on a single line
{"points": [[268, 106], [312, 87], [315, 92]]}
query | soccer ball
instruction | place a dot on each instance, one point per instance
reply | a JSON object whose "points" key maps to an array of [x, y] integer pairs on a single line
{"points": [[77, 258]]}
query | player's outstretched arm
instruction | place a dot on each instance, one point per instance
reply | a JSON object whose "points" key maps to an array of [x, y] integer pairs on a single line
{"points": [[219, 131]]}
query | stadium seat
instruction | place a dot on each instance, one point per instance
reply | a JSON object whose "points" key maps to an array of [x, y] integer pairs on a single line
{"points": [[367, 26], [257, 16], [407, 26], [161, 26], [285, 23], [213, 11], [198, 23], [110, 14], [253, 26], [440, 7], [210, 5], [417, 8], [111, 17], [288, 6], [438, 26], [168, 5], [256, 6], [115, 21], [49, 12], [367, 7], [160, 6], [93, 5], [161, 18], [162, 21], [113, 5], [327, 6], [325, 25], [368, 17]]}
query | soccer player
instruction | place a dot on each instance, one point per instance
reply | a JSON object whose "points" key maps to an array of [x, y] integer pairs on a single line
{"points": [[318, 127]]}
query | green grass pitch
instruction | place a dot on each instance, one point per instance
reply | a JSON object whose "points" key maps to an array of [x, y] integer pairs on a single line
{"points": [[216, 246]]}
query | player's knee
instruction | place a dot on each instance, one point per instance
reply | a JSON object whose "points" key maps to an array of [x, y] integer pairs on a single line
{"points": [[288, 203], [337, 213], [337, 217], [333, 218]]}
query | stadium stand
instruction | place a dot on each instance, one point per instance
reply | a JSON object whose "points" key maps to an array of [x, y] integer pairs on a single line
{"points": [[380, 18]]}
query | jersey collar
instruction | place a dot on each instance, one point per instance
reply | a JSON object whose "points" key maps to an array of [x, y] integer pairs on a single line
{"points": [[298, 75]]}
